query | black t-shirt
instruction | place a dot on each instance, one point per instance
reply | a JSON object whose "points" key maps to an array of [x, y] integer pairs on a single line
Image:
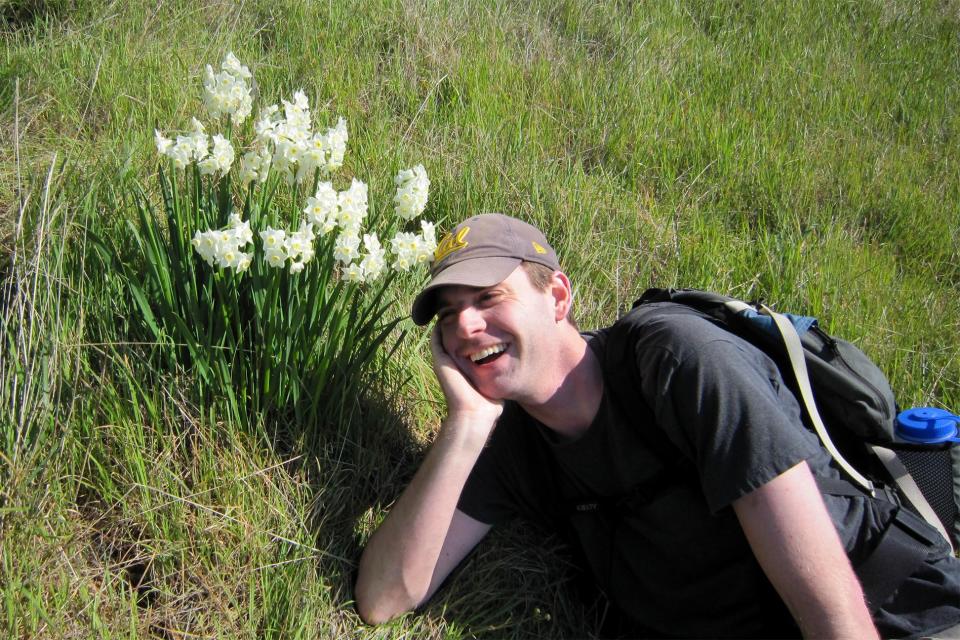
{"points": [[675, 557]]}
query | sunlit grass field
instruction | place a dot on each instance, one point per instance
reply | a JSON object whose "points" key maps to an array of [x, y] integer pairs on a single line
{"points": [[805, 153]]}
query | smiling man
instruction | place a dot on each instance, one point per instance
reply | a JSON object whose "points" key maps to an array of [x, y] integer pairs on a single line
{"points": [[693, 496]]}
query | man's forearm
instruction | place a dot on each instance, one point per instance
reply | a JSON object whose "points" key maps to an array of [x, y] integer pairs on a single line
{"points": [[398, 564], [796, 543]]}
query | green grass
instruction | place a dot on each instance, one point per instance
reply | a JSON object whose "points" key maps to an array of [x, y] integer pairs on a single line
{"points": [[804, 152]]}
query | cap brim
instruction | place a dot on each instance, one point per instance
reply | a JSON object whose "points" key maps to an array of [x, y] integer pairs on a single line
{"points": [[475, 272]]}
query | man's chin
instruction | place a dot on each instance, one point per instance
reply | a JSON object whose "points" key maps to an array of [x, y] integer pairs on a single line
{"points": [[493, 384], [491, 392]]}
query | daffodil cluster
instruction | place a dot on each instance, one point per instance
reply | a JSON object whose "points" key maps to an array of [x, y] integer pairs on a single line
{"points": [[410, 249], [223, 247], [285, 145], [195, 147], [267, 271], [412, 188], [228, 92], [370, 264], [279, 246], [286, 142]]}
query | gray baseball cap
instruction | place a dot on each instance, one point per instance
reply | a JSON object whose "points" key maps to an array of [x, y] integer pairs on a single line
{"points": [[480, 252]]}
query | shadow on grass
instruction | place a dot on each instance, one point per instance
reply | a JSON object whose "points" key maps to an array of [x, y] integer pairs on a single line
{"points": [[519, 583]]}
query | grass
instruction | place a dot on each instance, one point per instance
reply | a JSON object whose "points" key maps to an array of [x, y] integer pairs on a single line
{"points": [[803, 152]]}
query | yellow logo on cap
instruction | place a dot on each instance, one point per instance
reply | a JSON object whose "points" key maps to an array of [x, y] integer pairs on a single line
{"points": [[450, 243], [537, 247]]}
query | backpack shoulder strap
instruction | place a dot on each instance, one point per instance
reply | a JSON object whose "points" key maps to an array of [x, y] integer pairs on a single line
{"points": [[798, 365], [898, 473]]}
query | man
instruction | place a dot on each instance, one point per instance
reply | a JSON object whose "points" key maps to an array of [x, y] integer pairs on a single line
{"points": [[728, 534]]}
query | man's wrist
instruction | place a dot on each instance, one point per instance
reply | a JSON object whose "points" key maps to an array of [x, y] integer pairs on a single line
{"points": [[469, 428]]}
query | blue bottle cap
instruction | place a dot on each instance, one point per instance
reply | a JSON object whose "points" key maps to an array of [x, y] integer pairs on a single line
{"points": [[927, 425]]}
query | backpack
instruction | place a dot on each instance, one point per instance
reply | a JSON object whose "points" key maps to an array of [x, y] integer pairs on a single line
{"points": [[845, 399]]}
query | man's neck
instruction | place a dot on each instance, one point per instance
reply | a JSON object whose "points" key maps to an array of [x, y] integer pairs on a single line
{"points": [[573, 402]]}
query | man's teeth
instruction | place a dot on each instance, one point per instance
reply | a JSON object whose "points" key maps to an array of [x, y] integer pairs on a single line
{"points": [[489, 351]]}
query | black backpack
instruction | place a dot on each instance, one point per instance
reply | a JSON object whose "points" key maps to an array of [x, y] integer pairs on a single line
{"points": [[845, 396], [846, 400]]}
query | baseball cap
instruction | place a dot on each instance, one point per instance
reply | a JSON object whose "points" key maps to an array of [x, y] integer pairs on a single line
{"points": [[480, 252]]}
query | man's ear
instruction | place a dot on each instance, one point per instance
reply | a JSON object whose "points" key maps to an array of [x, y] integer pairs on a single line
{"points": [[562, 293]]}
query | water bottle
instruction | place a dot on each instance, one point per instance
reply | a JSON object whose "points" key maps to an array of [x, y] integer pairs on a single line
{"points": [[928, 425]]}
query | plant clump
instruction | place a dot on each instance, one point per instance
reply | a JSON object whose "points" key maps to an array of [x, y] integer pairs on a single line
{"points": [[273, 303]]}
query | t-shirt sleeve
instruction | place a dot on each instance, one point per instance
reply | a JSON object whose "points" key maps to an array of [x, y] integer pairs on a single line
{"points": [[722, 402]]}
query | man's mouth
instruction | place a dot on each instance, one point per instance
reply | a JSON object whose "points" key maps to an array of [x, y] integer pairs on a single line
{"points": [[489, 354]]}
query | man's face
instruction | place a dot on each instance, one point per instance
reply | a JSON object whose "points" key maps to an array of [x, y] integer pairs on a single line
{"points": [[499, 336]]}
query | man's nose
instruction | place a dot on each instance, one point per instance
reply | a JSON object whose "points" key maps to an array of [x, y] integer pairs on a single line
{"points": [[469, 321]]}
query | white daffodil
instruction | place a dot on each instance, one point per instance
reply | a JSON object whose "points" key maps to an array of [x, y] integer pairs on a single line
{"points": [[240, 230], [163, 143], [345, 247], [371, 243], [207, 166], [223, 246], [227, 92], [413, 186], [266, 123], [313, 156], [232, 66], [428, 232], [299, 241], [353, 273], [322, 206], [299, 153], [296, 124], [374, 260], [275, 257], [293, 246], [228, 258], [353, 205], [198, 141], [273, 238], [373, 265], [407, 249], [336, 144], [422, 255], [404, 242], [349, 220], [254, 165], [244, 262], [182, 152], [328, 226], [223, 153], [200, 145], [205, 244], [402, 263], [220, 158]]}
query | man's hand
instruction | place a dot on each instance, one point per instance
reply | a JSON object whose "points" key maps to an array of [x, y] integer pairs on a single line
{"points": [[463, 399], [796, 543]]}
